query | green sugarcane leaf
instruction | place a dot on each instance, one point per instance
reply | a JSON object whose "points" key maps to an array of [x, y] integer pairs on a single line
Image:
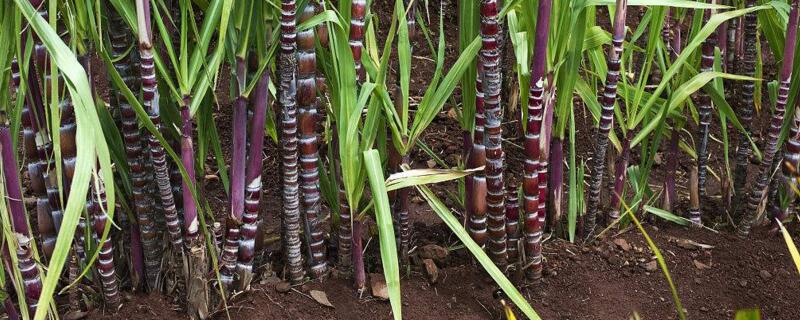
{"points": [[323, 17], [93, 149], [452, 222], [404, 63], [664, 3], [708, 29], [666, 215], [790, 245], [748, 314], [468, 29], [427, 112], [409, 177], [683, 93], [383, 219]]}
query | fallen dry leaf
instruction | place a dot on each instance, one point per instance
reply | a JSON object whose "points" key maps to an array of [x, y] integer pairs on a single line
{"points": [[321, 298]]}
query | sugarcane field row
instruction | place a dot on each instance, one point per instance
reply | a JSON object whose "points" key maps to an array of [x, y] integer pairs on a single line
{"points": [[487, 159]]}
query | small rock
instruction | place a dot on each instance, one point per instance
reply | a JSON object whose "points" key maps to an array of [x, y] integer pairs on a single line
{"points": [[431, 270], [622, 244], [699, 265], [433, 252], [650, 266], [431, 163], [765, 274], [550, 272], [585, 249], [743, 283], [417, 199], [698, 281], [378, 286], [211, 177], [283, 287], [704, 309], [686, 244]]}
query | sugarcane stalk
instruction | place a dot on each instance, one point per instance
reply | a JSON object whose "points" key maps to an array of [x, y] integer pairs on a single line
{"points": [[704, 107], [533, 146], [551, 163], [360, 275], [287, 92], [760, 187], [358, 10], [475, 185], [10, 309], [158, 156], [255, 164], [19, 223], [746, 64], [791, 156], [346, 236], [309, 157], [105, 259], [46, 225], [512, 223], [694, 198], [620, 174], [607, 101], [492, 83], [670, 194], [230, 248]]}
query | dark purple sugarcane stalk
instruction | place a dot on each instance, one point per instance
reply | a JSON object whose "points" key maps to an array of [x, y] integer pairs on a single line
{"points": [[191, 224], [105, 258], [230, 248], [492, 87], [291, 188], [704, 107], [694, 198], [776, 122], [746, 65], [137, 258], [120, 39], [19, 220], [670, 194], [791, 156], [255, 164], [533, 153], [607, 101], [10, 309], [555, 179], [411, 18], [150, 103], [46, 225], [401, 199], [358, 10], [620, 174], [360, 274], [309, 155], [551, 162], [476, 183], [512, 223]]}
